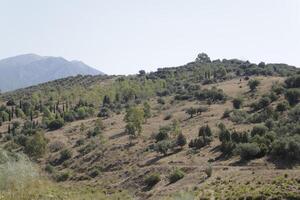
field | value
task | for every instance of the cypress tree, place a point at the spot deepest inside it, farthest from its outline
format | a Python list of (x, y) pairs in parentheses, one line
[(8, 129), (9, 116), (31, 116), (41, 106), (12, 112)]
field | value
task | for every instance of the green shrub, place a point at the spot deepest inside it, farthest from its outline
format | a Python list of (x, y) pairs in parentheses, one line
[(224, 134), (264, 102), (147, 110), (237, 102), (293, 82), (277, 88), (226, 113), (205, 131), (208, 170), (63, 176), (84, 112), (56, 124), (79, 142), (273, 96), (282, 106), (201, 109), (200, 142), (161, 101), (56, 146), (36, 145), (104, 112), (293, 96), (294, 114), (253, 83), (259, 130), (181, 140), (163, 133), (287, 148), (191, 111), (213, 95), (270, 123), (176, 175), (21, 140), (239, 116), (94, 173), (152, 180), (227, 147), (65, 154), (248, 151), (163, 146), (70, 116), (97, 130), (49, 168)]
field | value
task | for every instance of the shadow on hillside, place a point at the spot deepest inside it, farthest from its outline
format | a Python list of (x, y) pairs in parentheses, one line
[(240, 163), (118, 135), (216, 149), (157, 158), (222, 156), (282, 163)]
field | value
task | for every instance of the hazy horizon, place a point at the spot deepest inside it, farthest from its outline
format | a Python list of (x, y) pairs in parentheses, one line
[(119, 37)]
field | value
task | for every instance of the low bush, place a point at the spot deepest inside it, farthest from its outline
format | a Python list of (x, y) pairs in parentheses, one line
[(253, 83), (239, 116), (49, 168), (168, 117), (163, 133), (208, 171), (176, 175), (65, 155), (282, 106), (56, 146), (259, 130), (56, 124), (161, 101), (63, 176), (164, 146), (293, 81), (152, 179), (181, 140), (248, 151), (226, 114), (237, 103), (94, 173), (287, 148), (294, 114), (293, 96)]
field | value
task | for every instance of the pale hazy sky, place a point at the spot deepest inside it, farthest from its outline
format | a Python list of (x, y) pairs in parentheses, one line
[(123, 36)]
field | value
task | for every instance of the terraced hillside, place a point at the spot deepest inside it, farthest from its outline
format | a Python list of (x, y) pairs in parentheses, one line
[(224, 129)]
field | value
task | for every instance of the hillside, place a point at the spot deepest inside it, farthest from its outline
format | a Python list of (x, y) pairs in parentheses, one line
[(225, 129), (30, 69)]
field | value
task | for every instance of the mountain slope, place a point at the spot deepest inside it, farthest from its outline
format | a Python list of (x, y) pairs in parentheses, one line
[(30, 69)]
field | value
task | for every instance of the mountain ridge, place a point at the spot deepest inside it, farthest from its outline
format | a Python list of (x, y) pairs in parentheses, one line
[(32, 69)]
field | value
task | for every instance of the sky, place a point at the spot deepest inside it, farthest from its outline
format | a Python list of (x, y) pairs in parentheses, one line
[(122, 37)]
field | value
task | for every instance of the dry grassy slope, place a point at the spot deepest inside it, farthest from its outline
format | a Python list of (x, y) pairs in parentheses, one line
[(125, 166)]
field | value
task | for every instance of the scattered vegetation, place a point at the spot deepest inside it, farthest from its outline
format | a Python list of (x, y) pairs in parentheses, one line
[(86, 113)]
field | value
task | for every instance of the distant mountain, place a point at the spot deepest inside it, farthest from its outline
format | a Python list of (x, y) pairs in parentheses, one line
[(30, 69)]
